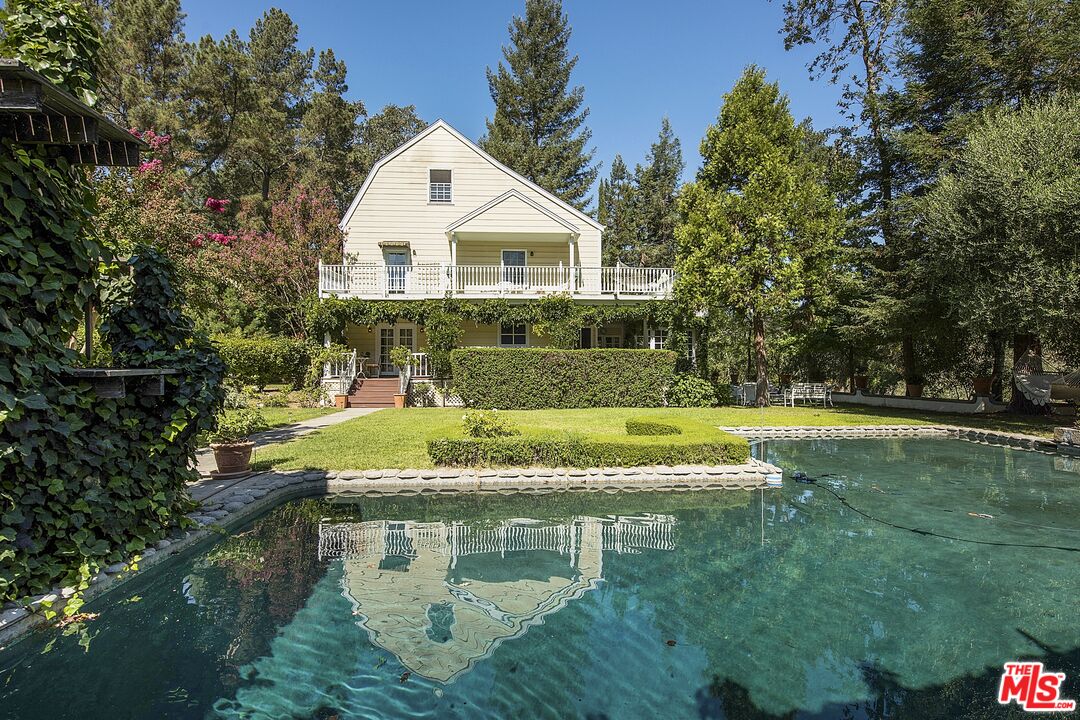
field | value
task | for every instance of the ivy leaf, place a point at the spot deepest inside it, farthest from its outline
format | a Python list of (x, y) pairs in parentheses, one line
[(16, 206), (37, 401)]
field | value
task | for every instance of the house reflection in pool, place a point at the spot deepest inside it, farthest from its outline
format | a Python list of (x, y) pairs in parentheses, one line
[(442, 596)]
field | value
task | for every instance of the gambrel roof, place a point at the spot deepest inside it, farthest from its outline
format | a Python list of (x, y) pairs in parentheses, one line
[(442, 124)]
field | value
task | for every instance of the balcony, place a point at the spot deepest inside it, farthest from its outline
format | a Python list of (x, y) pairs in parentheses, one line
[(484, 281)]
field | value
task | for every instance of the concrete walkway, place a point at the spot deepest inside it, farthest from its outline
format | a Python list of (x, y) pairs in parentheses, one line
[(205, 456)]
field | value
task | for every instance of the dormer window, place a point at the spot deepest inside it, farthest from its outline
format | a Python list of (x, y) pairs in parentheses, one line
[(440, 186)]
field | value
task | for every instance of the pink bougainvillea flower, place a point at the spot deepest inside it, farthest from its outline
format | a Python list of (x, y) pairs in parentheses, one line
[(217, 205)]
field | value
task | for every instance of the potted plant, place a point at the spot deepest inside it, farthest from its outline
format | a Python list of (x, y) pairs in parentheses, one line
[(230, 443), (860, 379), (914, 386), (401, 356), (982, 385)]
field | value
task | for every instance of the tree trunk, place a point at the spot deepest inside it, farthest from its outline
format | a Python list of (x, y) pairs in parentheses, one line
[(851, 369), (997, 374), (750, 348), (907, 353), (760, 361), (1023, 342)]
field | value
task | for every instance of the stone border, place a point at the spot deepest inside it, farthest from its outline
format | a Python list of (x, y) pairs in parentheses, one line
[(234, 503), (985, 437)]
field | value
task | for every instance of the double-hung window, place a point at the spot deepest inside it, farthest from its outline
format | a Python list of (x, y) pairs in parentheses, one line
[(440, 186), (512, 335)]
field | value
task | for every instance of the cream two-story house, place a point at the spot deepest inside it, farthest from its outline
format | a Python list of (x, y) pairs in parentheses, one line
[(438, 217)]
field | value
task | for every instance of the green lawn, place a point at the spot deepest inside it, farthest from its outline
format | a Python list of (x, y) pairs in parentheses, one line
[(278, 416), (395, 438)]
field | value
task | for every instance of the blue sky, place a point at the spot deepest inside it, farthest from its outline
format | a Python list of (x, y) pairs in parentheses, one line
[(638, 60)]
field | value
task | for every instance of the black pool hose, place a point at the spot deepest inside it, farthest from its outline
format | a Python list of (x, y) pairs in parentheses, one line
[(919, 531)]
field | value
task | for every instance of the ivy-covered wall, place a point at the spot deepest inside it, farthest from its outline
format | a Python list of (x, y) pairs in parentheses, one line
[(85, 481), (557, 317)]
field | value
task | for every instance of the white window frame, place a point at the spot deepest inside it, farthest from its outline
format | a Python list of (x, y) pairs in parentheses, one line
[(432, 201), (525, 335), (657, 338)]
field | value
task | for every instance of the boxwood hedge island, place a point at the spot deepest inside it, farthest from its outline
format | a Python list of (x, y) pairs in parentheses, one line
[(647, 441)]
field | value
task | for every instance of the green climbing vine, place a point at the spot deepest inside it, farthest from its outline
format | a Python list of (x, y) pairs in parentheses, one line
[(558, 316), (85, 481)]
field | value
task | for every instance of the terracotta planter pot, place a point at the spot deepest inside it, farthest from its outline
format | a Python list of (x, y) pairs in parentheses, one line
[(914, 390), (399, 400), (982, 386), (862, 382), (339, 401), (232, 457)]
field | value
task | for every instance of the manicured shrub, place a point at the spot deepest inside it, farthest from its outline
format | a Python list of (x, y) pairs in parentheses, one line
[(649, 426), (695, 443), (262, 361), (534, 378), (691, 391), (486, 424)]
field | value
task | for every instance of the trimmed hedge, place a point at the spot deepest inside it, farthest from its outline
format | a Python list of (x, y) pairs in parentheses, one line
[(651, 426), (536, 378), (262, 361), (694, 443)]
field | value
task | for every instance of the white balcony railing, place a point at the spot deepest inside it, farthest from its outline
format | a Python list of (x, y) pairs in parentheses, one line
[(389, 281)]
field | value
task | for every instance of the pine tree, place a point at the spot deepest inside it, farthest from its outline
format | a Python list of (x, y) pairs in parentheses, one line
[(539, 124), (615, 212), (760, 226), (383, 132), (657, 183), (142, 62), (267, 144), (639, 211), (328, 133)]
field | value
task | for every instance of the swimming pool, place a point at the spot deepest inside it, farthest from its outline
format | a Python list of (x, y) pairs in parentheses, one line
[(894, 585)]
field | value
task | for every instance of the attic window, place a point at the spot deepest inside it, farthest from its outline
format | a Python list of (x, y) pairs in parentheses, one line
[(440, 186)]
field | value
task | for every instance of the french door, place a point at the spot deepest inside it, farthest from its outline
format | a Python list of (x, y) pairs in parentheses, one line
[(397, 267), (389, 337), (513, 268)]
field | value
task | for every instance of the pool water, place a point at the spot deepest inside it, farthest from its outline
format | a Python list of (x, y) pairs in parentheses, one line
[(894, 586)]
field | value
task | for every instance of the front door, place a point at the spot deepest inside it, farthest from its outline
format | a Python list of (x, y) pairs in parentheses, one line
[(390, 337), (513, 267), (397, 266)]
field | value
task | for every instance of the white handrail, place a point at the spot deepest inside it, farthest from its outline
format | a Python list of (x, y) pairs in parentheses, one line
[(419, 365), (432, 281)]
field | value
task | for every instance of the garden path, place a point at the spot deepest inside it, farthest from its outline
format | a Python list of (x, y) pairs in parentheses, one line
[(204, 457)]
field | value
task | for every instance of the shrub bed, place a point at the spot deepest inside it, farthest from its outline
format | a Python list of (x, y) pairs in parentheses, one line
[(690, 443), (537, 378), (651, 426), (262, 361)]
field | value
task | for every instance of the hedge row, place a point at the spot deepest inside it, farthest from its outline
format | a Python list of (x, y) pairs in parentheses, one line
[(533, 378), (262, 361), (693, 443)]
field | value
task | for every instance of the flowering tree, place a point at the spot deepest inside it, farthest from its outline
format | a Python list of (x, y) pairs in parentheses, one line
[(276, 268), (155, 205)]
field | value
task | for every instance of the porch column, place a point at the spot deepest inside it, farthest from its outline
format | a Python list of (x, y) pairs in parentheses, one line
[(453, 263), (573, 271)]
